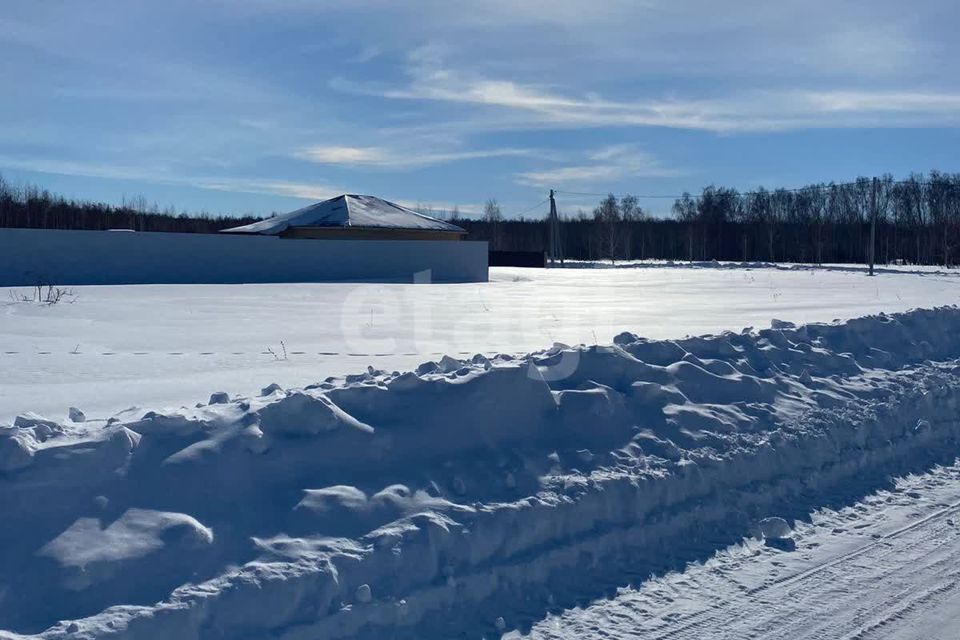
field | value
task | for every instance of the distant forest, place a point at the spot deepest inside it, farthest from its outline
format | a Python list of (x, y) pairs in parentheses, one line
[(33, 208), (917, 221)]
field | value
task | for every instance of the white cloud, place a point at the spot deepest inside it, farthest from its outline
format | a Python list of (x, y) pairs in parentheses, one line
[(564, 176), (542, 107), (160, 175), (947, 104), (344, 155), (606, 165), (533, 106), (304, 191), (84, 169), (396, 159)]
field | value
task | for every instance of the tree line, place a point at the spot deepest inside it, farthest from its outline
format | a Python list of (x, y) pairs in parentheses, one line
[(34, 208), (917, 221)]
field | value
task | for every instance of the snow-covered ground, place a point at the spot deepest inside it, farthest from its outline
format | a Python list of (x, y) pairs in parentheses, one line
[(170, 345), (729, 485), (469, 498)]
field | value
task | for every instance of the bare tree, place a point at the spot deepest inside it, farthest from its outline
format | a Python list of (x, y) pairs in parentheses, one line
[(685, 210), (631, 213), (609, 226), (493, 217)]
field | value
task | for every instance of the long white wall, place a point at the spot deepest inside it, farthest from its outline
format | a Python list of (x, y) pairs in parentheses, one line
[(34, 256)]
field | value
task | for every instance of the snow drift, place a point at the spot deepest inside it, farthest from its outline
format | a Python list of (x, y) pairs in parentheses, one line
[(456, 497)]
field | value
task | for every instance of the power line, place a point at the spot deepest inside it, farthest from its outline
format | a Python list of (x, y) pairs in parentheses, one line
[(529, 209)]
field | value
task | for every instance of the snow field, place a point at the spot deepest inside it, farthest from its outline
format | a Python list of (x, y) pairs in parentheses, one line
[(164, 346), (469, 495)]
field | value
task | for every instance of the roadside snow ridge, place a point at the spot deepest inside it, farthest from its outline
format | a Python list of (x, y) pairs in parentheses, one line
[(458, 498)]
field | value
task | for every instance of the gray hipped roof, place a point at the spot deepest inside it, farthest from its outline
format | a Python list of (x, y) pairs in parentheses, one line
[(349, 211)]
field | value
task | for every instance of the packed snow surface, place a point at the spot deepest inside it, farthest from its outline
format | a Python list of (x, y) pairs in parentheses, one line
[(169, 345), (467, 497)]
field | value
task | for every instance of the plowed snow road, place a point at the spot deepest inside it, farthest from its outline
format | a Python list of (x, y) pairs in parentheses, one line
[(888, 567)]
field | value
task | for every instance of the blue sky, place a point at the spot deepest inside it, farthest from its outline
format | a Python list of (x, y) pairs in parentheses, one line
[(253, 106)]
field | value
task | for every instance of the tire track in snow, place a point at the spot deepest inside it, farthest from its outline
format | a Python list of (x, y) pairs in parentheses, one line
[(812, 571), (793, 623), (901, 610), (828, 606), (866, 592)]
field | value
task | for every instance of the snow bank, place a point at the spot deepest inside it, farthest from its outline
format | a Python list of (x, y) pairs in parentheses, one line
[(451, 497)]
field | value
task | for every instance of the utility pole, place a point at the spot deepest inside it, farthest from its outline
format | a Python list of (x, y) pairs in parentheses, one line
[(873, 223), (551, 231), (553, 223)]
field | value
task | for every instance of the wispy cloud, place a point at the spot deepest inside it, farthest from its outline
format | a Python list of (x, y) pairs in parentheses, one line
[(76, 168), (538, 106), (946, 104), (304, 191), (311, 191), (606, 165), (367, 53), (396, 159), (161, 175), (442, 208)]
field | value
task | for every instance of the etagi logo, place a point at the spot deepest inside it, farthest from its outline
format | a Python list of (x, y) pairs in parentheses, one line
[(431, 319)]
